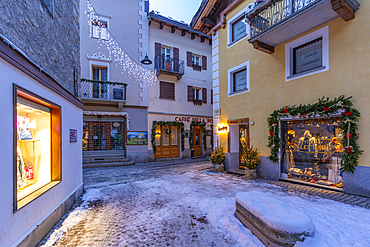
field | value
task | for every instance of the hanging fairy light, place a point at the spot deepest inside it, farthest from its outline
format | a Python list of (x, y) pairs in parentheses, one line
[(134, 69)]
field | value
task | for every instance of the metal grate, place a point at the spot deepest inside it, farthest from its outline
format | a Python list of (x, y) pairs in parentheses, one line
[(102, 90)]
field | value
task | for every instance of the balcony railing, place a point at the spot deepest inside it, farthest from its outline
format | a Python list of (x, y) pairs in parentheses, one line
[(102, 90), (170, 66), (276, 13)]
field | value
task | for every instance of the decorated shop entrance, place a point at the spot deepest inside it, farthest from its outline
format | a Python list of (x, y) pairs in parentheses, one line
[(166, 139), (197, 139)]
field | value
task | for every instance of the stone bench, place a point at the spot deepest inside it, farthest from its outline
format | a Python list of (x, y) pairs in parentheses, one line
[(274, 222)]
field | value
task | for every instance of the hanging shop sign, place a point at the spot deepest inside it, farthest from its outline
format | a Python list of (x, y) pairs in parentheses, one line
[(222, 128)]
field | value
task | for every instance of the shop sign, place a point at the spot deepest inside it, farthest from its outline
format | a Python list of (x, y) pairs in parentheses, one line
[(137, 138), (190, 119), (72, 135), (217, 111), (222, 128)]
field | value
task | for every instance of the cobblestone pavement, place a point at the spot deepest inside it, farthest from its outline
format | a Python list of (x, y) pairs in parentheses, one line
[(163, 204)]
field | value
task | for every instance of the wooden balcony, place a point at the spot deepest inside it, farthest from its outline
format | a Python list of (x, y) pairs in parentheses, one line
[(274, 22)]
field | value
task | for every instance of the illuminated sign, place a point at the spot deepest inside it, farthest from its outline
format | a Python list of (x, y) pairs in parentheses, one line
[(222, 128)]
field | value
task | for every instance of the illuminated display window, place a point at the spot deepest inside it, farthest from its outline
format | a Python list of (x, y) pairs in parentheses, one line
[(311, 151), (37, 151)]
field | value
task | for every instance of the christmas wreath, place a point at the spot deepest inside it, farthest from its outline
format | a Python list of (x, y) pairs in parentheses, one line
[(323, 108), (167, 125)]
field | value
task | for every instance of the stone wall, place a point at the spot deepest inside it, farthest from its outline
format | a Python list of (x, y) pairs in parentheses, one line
[(50, 38)]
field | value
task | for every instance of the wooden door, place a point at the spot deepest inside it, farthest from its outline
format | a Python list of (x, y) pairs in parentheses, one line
[(197, 141), (167, 142)]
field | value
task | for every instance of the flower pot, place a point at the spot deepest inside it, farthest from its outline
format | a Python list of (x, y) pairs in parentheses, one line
[(250, 173), (219, 167)]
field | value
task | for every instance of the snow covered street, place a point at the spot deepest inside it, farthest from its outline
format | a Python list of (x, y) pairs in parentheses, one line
[(156, 204)]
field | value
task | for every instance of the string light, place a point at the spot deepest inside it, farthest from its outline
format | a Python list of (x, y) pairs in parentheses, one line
[(133, 69)]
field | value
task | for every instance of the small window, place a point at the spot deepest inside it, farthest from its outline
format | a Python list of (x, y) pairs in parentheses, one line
[(99, 29), (307, 57), (196, 60), (197, 93), (240, 80), (238, 29), (166, 90), (100, 90)]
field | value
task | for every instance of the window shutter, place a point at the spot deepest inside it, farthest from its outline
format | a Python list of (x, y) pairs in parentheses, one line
[(204, 62), (157, 51), (167, 90), (189, 58), (176, 63), (211, 96), (204, 95), (190, 93)]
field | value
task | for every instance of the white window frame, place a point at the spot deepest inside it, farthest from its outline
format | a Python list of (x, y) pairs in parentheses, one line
[(230, 78), (321, 33), (200, 93), (99, 18), (196, 56), (230, 22)]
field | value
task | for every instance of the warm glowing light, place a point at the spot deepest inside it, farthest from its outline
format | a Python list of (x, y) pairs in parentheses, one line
[(38, 112), (28, 109), (222, 128)]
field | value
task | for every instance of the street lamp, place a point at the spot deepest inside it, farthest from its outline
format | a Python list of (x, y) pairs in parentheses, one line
[(146, 60)]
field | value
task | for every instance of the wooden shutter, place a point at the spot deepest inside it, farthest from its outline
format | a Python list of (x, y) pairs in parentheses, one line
[(211, 96), (190, 93), (157, 51), (204, 62), (176, 56), (167, 90), (204, 95), (189, 59)]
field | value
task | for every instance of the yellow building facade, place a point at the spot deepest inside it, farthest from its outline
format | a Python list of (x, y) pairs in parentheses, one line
[(309, 51)]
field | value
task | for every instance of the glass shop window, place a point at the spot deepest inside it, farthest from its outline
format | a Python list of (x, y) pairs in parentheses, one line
[(311, 151), (37, 149)]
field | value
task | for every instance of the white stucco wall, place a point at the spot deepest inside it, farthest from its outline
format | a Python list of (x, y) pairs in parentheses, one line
[(202, 79), (16, 226)]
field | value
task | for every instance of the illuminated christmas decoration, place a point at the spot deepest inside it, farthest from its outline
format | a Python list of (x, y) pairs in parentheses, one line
[(134, 69)]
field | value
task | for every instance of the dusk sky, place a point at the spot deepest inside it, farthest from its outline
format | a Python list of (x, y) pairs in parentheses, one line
[(177, 9)]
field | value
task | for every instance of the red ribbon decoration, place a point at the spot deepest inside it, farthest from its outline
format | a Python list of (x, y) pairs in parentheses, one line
[(349, 150), (271, 123), (304, 114), (326, 109), (347, 113), (271, 133), (350, 136), (285, 110)]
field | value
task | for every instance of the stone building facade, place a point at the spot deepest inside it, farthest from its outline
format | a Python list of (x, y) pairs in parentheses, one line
[(48, 31)]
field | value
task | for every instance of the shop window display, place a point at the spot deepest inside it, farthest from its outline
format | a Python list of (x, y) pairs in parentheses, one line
[(33, 154), (311, 151)]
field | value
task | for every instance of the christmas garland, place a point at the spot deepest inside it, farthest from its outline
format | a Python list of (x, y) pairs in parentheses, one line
[(105, 82), (203, 125), (167, 124), (323, 108)]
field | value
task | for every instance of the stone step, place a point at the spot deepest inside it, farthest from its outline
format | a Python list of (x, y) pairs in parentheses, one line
[(108, 160), (103, 157), (128, 163)]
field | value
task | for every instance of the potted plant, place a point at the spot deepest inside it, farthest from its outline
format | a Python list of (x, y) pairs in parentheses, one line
[(250, 159), (217, 158)]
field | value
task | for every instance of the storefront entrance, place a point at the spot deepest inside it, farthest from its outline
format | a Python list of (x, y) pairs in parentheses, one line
[(197, 141), (104, 135), (243, 141), (167, 141)]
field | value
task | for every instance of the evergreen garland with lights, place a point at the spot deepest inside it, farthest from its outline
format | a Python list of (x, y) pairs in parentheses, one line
[(323, 108), (203, 125)]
